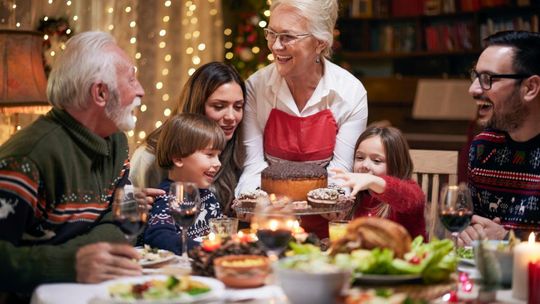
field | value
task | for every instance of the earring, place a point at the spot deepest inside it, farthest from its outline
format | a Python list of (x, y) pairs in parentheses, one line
[(317, 60)]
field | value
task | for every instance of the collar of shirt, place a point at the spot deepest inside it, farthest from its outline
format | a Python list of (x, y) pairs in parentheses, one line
[(323, 92)]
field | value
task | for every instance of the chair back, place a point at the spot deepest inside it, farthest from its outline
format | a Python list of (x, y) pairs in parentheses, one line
[(432, 169)]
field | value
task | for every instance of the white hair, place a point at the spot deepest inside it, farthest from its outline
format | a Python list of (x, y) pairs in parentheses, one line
[(85, 61), (321, 16)]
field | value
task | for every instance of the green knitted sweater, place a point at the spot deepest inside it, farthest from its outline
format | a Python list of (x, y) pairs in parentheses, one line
[(56, 178)]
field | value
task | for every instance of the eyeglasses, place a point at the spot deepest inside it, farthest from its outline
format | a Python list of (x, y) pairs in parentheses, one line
[(486, 79), (284, 38)]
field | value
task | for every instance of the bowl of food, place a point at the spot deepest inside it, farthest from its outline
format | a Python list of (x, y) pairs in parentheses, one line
[(310, 280), (242, 271), (503, 257)]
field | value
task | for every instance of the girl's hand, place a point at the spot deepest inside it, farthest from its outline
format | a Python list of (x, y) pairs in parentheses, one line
[(333, 216), (359, 181)]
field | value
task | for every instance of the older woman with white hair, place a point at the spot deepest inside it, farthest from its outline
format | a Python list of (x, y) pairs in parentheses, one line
[(302, 107)]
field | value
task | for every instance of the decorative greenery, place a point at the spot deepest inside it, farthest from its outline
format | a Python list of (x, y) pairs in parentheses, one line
[(58, 32), (247, 35)]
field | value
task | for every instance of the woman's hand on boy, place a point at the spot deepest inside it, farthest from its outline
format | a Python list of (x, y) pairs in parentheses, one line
[(148, 194)]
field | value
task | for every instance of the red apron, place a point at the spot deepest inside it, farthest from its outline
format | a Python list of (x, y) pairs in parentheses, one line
[(302, 139)]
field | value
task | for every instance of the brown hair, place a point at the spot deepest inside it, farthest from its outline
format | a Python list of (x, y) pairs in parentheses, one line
[(201, 85), (398, 159), (185, 134)]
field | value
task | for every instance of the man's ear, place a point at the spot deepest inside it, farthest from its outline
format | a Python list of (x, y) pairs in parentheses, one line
[(532, 88), (177, 161), (100, 93)]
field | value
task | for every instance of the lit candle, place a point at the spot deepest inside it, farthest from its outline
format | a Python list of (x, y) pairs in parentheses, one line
[(524, 253), (211, 243), (534, 282)]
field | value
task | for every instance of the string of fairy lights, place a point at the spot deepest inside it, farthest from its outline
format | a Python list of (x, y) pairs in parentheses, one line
[(120, 19)]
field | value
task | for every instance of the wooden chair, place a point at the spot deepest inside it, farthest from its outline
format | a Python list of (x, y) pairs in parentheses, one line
[(432, 169)]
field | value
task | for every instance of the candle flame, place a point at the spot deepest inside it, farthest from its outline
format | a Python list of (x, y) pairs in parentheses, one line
[(211, 236), (531, 238), (240, 234), (273, 198), (273, 225)]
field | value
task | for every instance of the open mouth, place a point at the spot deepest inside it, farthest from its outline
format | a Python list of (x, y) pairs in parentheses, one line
[(484, 105), (283, 59), (210, 175), (228, 129)]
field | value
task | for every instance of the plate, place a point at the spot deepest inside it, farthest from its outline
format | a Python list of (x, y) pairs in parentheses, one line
[(386, 279), (151, 259), (217, 290), (467, 262)]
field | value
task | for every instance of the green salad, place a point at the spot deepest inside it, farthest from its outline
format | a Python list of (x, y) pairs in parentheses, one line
[(465, 253), (434, 261), (159, 289)]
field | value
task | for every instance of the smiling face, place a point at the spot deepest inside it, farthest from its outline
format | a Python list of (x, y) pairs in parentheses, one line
[(370, 157), (298, 58), (199, 167), (226, 107), (499, 107)]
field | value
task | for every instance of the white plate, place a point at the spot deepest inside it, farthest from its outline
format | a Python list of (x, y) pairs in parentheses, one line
[(386, 279), (217, 290), (150, 260), (467, 262)]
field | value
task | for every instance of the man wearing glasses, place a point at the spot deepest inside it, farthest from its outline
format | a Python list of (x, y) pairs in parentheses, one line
[(504, 160)]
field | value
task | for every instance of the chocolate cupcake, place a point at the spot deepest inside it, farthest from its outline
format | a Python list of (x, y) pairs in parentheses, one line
[(323, 197)]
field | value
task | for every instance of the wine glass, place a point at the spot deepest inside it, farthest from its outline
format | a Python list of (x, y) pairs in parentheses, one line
[(130, 211), (184, 206), (455, 209), (274, 230)]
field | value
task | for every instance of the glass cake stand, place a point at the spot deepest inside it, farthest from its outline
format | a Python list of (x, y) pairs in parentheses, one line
[(344, 204)]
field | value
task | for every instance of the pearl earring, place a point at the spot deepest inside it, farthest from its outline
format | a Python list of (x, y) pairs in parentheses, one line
[(318, 60)]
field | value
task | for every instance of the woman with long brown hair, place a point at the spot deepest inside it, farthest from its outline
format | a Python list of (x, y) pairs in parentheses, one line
[(217, 91)]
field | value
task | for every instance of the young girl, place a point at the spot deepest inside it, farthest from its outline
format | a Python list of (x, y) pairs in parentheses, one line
[(382, 179), (188, 148), (217, 91)]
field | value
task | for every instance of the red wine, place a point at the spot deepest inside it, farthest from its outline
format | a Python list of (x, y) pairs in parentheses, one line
[(184, 218), (274, 239), (130, 226), (456, 220)]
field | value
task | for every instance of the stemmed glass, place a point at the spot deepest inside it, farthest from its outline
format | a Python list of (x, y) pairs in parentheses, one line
[(130, 211), (184, 206), (274, 230), (455, 209)]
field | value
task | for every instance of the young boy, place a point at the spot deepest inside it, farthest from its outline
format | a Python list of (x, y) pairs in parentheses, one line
[(188, 147)]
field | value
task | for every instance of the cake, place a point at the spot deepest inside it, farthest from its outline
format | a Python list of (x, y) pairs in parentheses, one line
[(323, 197), (252, 198), (293, 179)]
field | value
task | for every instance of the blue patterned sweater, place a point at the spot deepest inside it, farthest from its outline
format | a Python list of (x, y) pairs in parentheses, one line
[(162, 231)]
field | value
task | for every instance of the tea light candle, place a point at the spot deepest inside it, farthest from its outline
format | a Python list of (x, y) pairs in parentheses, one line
[(211, 243), (524, 253)]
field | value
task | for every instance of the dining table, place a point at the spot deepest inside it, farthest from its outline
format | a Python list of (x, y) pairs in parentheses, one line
[(271, 293)]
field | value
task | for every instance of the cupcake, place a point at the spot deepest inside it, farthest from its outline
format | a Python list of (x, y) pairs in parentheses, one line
[(323, 197), (253, 198)]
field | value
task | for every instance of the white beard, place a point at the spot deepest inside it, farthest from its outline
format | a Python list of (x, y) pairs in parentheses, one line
[(123, 117)]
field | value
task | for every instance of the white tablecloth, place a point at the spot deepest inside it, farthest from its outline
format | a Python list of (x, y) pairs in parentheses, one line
[(88, 293)]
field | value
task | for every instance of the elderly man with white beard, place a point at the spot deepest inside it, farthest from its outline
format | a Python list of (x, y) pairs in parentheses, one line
[(57, 175)]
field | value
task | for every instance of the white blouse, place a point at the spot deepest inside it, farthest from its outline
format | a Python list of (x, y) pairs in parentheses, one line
[(346, 97)]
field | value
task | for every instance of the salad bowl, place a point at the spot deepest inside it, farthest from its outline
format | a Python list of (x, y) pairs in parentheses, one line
[(310, 281)]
